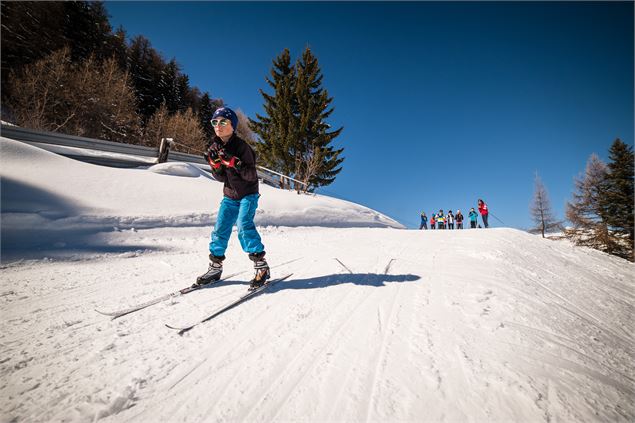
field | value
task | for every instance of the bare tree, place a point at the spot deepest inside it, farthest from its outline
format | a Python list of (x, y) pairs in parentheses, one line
[(541, 211), (93, 99), (37, 100), (103, 102), (584, 210), (244, 130), (183, 127)]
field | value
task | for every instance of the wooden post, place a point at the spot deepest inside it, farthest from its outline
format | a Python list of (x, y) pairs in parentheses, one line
[(164, 149)]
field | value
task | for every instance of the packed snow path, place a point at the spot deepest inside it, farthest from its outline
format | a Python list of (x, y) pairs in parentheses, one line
[(473, 325), (375, 324)]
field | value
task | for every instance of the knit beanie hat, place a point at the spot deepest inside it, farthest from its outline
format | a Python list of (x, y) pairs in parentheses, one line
[(227, 113)]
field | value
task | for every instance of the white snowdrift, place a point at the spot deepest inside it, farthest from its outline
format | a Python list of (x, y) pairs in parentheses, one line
[(376, 324), (49, 200)]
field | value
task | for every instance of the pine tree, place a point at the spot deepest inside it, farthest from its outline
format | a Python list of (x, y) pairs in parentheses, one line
[(294, 134), (277, 128), (316, 161), (168, 86), (146, 67), (205, 112), (88, 30), (541, 211), (616, 203)]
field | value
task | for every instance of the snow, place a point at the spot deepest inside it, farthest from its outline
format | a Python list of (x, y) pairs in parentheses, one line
[(377, 323)]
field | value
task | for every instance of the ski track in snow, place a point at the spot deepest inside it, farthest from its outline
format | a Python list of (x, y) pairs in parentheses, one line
[(375, 324)]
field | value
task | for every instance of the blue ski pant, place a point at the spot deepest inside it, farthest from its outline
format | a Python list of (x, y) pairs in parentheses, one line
[(242, 213)]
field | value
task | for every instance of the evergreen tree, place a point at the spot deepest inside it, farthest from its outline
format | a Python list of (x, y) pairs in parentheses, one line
[(187, 98), (316, 161), (276, 129), (541, 211), (168, 86), (87, 29), (294, 134), (30, 31), (205, 112), (146, 69), (616, 203)]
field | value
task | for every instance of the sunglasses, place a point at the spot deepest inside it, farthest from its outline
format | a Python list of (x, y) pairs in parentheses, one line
[(221, 122)]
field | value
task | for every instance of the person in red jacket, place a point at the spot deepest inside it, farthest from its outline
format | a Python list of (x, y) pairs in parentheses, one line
[(482, 209)]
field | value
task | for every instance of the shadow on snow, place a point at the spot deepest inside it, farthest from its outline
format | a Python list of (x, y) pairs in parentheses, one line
[(38, 232), (362, 279)]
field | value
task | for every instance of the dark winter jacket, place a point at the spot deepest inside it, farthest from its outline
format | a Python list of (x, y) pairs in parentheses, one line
[(237, 183), (459, 217)]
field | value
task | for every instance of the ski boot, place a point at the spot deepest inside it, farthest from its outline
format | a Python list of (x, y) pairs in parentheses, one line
[(262, 270), (213, 272)]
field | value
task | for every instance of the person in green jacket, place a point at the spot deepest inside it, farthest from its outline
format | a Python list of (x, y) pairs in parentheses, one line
[(473, 216)]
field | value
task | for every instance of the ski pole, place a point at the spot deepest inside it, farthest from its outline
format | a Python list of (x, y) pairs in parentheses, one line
[(497, 218)]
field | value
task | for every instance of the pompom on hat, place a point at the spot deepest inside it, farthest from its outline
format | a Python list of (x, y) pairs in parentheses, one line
[(227, 113)]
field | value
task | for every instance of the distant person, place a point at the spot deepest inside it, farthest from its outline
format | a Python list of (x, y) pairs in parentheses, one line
[(424, 221), (473, 216), (433, 221), (450, 219), (459, 219), (482, 209), (233, 162), (441, 219)]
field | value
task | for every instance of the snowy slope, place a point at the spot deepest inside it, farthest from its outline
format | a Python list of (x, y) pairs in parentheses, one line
[(376, 324), (50, 201)]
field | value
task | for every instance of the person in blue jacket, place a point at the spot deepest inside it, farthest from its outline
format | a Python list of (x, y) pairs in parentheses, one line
[(424, 221), (473, 216)]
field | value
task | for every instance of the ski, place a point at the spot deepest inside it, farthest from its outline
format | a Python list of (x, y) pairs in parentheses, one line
[(119, 313), (250, 294)]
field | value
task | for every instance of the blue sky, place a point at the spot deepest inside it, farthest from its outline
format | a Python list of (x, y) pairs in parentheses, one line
[(442, 103)]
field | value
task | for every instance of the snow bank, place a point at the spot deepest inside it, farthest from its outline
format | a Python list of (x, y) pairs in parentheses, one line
[(177, 169), (51, 202)]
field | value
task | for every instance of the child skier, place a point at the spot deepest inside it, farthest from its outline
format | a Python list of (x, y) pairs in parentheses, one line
[(233, 162), (433, 221), (473, 217)]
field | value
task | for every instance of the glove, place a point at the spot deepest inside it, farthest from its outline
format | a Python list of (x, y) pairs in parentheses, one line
[(233, 162), (229, 160), (212, 157)]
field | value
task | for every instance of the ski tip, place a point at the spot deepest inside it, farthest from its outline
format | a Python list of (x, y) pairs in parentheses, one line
[(181, 330)]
